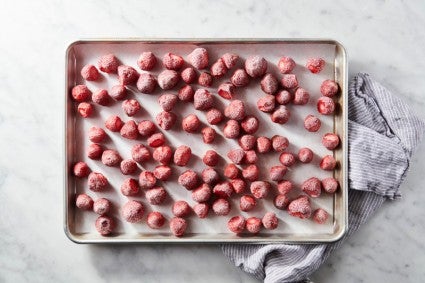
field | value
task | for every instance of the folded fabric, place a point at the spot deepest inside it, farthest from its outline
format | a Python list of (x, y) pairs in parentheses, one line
[(382, 135)]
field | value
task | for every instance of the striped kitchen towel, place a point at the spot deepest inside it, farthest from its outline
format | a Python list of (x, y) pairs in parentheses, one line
[(382, 135)]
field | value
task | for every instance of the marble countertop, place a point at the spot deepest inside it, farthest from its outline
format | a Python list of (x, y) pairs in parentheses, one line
[(383, 38)]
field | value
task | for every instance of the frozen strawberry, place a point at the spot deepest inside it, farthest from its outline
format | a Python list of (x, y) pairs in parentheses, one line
[(315, 65), (203, 99), (301, 96), (162, 172), (97, 182), (146, 61), (247, 142), (325, 105), (260, 189), (167, 101), (223, 190), (147, 180), (235, 110), (181, 208), (330, 141), (188, 75), (210, 176), (130, 187), (305, 155), (240, 78), (133, 211), (289, 81), (312, 123), (236, 224), (312, 187), (198, 58), (156, 140), (229, 60), (330, 185), (251, 173), (269, 84), (80, 93), (146, 83), (211, 158), (188, 179), (191, 123), (96, 134), (281, 115), (231, 171), (205, 79), (328, 163), (172, 61), (140, 153), (251, 157), (231, 129), (287, 159), (108, 63), (266, 103), (156, 195), (81, 169), (270, 221), (131, 107), (201, 210), (201, 193), (279, 143), (238, 185), (129, 130), (89, 73), (247, 203), (283, 97), (256, 66), (186, 93), (226, 90), (111, 157), (128, 166), (284, 187), (163, 154), (178, 226), (105, 225), (250, 124), (114, 123), (277, 172), (214, 116), (253, 225), (84, 202), (127, 75), (236, 155), (102, 206), (101, 97), (182, 155), (218, 69), (286, 64), (118, 92), (208, 135), (166, 120), (94, 151), (146, 128), (320, 216), (168, 79), (155, 220), (281, 201), (300, 207), (329, 88), (85, 109), (264, 144), (221, 207)]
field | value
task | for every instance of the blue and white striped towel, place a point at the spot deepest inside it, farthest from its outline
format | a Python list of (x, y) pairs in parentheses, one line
[(382, 135)]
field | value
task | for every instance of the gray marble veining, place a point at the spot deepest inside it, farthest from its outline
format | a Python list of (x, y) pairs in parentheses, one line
[(384, 38)]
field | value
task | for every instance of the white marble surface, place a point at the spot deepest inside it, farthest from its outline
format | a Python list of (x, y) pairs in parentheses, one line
[(384, 38)]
